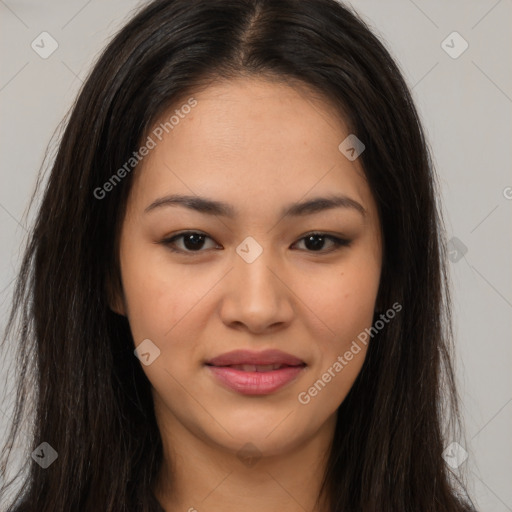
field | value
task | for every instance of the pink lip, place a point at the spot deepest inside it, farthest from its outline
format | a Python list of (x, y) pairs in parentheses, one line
[(253, 382), (249, 357)]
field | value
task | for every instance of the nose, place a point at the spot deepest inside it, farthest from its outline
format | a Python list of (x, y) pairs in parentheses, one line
[(256, 296)]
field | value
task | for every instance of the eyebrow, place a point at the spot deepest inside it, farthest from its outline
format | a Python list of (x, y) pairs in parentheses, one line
[(211, 207)]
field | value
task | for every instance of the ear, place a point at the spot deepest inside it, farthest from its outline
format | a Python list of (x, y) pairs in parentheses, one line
[(115, 297)]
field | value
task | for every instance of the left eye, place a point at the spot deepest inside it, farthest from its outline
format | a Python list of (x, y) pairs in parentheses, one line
[(315, 240), (193, 241)]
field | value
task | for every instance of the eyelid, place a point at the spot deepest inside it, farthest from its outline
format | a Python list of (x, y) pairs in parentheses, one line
[(338, 241), (169, 240)]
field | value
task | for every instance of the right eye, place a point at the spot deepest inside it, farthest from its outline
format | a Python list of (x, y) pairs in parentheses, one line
[(193, 241)]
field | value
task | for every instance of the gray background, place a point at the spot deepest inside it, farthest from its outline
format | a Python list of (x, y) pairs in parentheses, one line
[(465, 104)]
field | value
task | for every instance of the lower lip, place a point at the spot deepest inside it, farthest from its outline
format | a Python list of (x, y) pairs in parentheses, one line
[(255, 383)]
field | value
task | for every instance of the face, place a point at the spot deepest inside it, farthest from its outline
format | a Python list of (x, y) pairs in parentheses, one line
[(263, 270)]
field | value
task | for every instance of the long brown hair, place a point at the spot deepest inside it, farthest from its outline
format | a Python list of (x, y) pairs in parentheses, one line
[(90, 399)]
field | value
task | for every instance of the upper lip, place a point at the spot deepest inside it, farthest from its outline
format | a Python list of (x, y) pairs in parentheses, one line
[(257, 358)]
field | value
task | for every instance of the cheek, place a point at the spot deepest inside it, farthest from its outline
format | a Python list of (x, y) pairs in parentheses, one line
[(159, 303), (345, 307), (343, 300), (343, 303), (165, 307), (155, 298)]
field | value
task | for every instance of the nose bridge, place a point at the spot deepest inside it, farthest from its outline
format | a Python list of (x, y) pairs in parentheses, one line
[(252, 268), (255, 296)]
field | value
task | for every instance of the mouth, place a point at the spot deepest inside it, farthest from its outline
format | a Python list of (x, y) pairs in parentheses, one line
[(255, 373), (256, 367)]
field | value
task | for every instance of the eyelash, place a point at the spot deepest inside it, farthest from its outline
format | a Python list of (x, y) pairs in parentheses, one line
[(338, 242)]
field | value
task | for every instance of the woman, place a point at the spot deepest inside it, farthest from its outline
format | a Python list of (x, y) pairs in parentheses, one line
[(234, 295)]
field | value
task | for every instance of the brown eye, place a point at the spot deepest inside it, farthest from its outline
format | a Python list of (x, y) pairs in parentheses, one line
[(192, 242), (315, 242)]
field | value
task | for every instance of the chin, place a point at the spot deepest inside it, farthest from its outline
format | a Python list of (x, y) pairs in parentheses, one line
[(273, 435)]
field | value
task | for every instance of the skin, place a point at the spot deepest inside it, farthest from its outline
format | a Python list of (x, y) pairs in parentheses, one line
[(257, 145)]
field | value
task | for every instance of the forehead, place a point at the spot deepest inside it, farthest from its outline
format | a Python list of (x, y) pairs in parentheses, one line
[(246, 111), (251, 140)]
